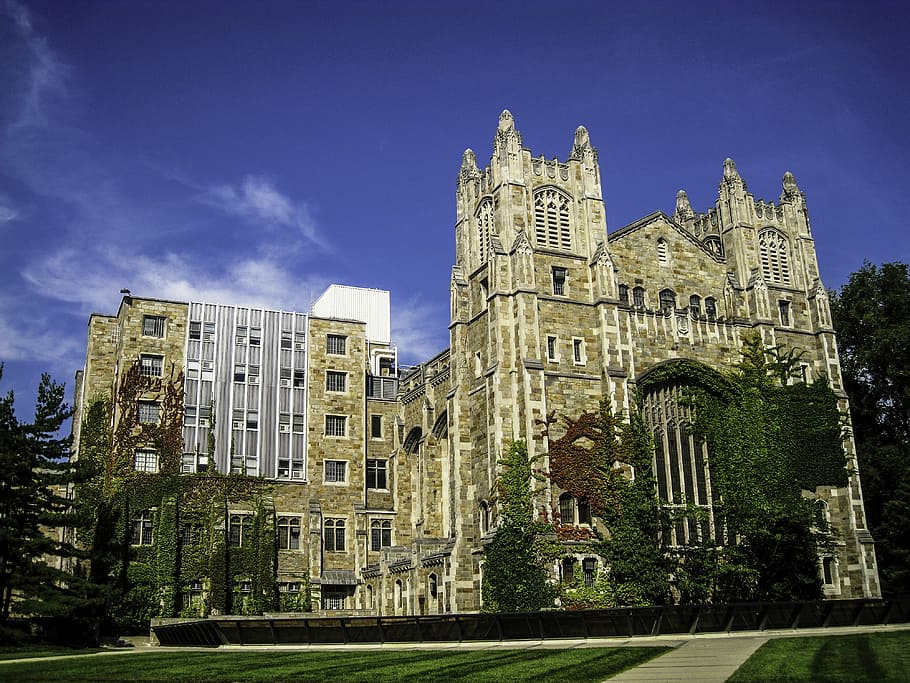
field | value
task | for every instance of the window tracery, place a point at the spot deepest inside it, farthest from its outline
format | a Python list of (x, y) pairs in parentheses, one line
[(774, 253), (551, 219)]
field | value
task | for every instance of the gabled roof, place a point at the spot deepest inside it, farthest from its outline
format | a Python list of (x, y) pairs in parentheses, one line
[(660, 216)]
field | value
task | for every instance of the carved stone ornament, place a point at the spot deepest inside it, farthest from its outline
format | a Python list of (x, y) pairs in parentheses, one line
[(601, 257), (521, 245), (469, 164), (582, 148), (684, 210)]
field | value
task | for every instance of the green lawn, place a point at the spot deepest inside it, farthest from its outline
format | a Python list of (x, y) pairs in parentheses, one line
[(28, 651), (878, 657), (577, 666)]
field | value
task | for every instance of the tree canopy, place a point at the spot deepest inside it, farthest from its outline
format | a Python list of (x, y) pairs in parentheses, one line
[(871, 314)]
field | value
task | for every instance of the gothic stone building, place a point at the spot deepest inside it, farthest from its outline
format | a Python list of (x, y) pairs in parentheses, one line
[(549, 312)]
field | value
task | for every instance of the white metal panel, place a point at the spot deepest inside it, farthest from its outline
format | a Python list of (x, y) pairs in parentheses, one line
[(370, 306)]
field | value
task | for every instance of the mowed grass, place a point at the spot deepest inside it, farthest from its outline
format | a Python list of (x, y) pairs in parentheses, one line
[(879, 657), (350, 666), (27, 651)]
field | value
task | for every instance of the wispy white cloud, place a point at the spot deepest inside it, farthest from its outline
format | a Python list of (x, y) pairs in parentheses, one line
[(257, 200), (92, 280), (418, 330), (7, 212), (45, 76), (27, 335)]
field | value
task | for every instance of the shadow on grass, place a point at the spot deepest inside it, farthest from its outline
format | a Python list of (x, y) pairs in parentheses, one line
[(581, 665)]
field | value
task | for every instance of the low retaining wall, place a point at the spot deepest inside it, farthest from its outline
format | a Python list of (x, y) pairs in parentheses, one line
[(609, 623)]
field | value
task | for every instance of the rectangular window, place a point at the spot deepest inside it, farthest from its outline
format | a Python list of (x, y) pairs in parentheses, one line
[(376, 426), (153, 325), (208, 332), (335, 381), (149, 412), (559, 280), (298, 379), (192, 534), (252, 420), (288, 533), (335, 425), (240, 372), (333, 536), (784, 307), (196, 331), (189, 416), (336, 471), (145, 460), (377, 474), (336, 345), (142, 529), (255, 336), (298, 424), (578, 351), (380, 534), (551, 348), (287, 340), (150, 365)]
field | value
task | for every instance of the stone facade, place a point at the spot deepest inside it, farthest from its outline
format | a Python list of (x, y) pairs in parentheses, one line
[(549, 312)]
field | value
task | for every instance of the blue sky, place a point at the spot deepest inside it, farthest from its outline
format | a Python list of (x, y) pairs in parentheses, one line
[(254, 152)]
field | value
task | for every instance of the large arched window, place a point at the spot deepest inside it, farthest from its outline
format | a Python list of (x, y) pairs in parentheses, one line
[(551, 219), (680, 467), (484, 228), (775, 256)]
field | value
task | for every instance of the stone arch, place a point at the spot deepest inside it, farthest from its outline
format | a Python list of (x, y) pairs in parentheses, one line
[(412, 440)]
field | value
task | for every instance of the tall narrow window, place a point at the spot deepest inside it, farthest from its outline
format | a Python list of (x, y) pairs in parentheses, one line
[(711, 307), (567, 508), (662, 254), (551, 348), (638, 297), (588, 565), (784, 307), (667, 301), (380, 534), (240, 529), (484, 517), (196, 331), (484, 228), (551, 219), (584, 511), (695, 305), (142, 529), (375, 426), (288, 533), (578, 351), (624, 294), (775, 256), (333, 536), (377, 471), (559, 281)]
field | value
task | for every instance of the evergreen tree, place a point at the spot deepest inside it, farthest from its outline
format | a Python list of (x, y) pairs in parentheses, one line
[(35, 475)]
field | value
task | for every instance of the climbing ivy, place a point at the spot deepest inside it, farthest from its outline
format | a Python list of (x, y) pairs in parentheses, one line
[(771, 438), (515, 577), (189, 514)]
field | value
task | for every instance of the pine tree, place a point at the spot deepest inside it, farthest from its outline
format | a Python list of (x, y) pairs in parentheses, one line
[(35, 512)]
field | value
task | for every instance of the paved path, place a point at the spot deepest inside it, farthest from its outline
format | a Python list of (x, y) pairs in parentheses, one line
[(708, 660)]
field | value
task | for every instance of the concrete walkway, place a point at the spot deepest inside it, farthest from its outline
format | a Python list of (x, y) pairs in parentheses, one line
[(709, 660)]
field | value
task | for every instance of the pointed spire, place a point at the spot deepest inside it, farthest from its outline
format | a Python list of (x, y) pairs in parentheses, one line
[(730, 172), (468, 165), (791, 189), (581, 147), (506, 121), (506, 132), (683, 207)]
